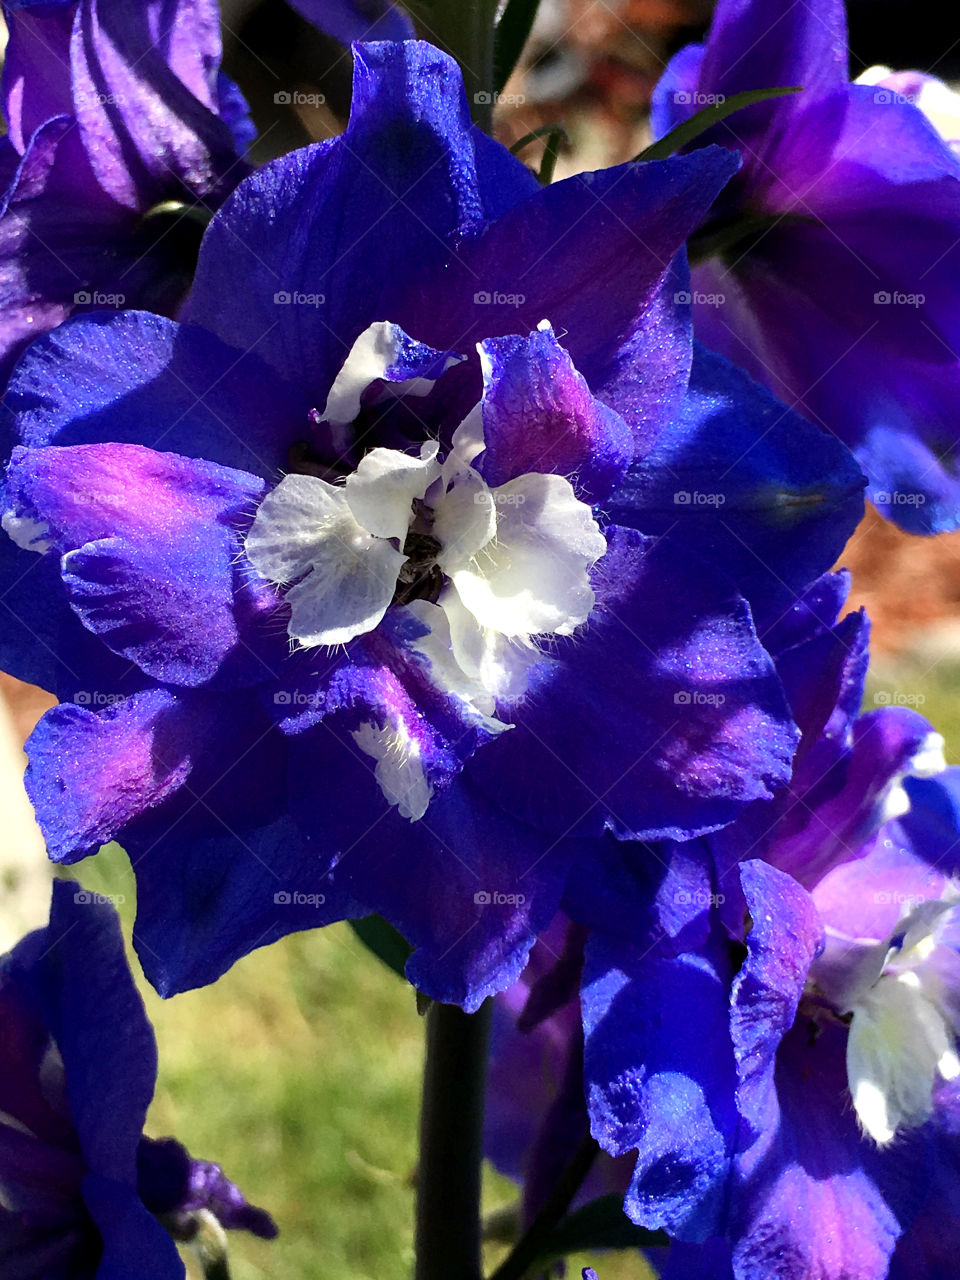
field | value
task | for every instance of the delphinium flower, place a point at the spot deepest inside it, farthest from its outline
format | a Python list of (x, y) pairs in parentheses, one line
[(834, 252), (83, 1194), (356, 589), (799, 1120), (123, 136)]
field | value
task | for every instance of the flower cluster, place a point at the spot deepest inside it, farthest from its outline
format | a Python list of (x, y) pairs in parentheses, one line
[(403, 537)]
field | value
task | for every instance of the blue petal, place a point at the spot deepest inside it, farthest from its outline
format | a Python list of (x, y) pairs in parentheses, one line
[(660, 720), (660, 1083), (753, 487)]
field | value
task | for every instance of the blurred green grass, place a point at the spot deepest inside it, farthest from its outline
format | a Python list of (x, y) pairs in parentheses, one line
[(299, 1072)]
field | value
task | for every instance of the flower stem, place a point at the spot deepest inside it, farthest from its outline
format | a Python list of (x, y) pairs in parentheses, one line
[(528, 1248), (451, 1144)]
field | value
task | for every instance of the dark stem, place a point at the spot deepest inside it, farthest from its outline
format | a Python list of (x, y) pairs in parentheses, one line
[(451, 1144), (530, 1245)]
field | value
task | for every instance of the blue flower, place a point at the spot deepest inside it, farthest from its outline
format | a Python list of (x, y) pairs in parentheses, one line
[(417, 560), (815, 1033), (81, 1189), (121, 132), (834, 252)]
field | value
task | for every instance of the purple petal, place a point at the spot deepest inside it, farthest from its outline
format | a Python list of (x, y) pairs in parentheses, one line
[(150, 542), (134, 1242), (144, 88), (90, 775), (169, 1180), (35, 84), (661, 719), (659, 1083), (539, 415), (755, 489), (358, 230), (137, 378)]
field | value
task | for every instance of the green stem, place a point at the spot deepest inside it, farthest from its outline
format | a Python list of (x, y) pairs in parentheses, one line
[(448, 1241), (465, 29), (530, 1245)]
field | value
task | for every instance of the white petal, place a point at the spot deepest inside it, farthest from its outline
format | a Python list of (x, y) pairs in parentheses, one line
[(465, 519), (399, 770), (382, 490), (29, 535), (291, 525), (370, 357), (349, 587), (467, 441), (532, 579), (446, 673), (929, 760), (897, 1041), (502, 666)]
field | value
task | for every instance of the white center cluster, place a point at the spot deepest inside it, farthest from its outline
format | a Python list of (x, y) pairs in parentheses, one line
[(902, 1036), (512, 563)]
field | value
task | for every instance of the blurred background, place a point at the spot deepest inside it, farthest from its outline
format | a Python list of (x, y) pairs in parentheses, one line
[(299, 1071)]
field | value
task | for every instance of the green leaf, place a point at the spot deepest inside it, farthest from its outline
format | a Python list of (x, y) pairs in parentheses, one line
[(513, 31), (384, 941), (601, 1224), (685, 133)]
